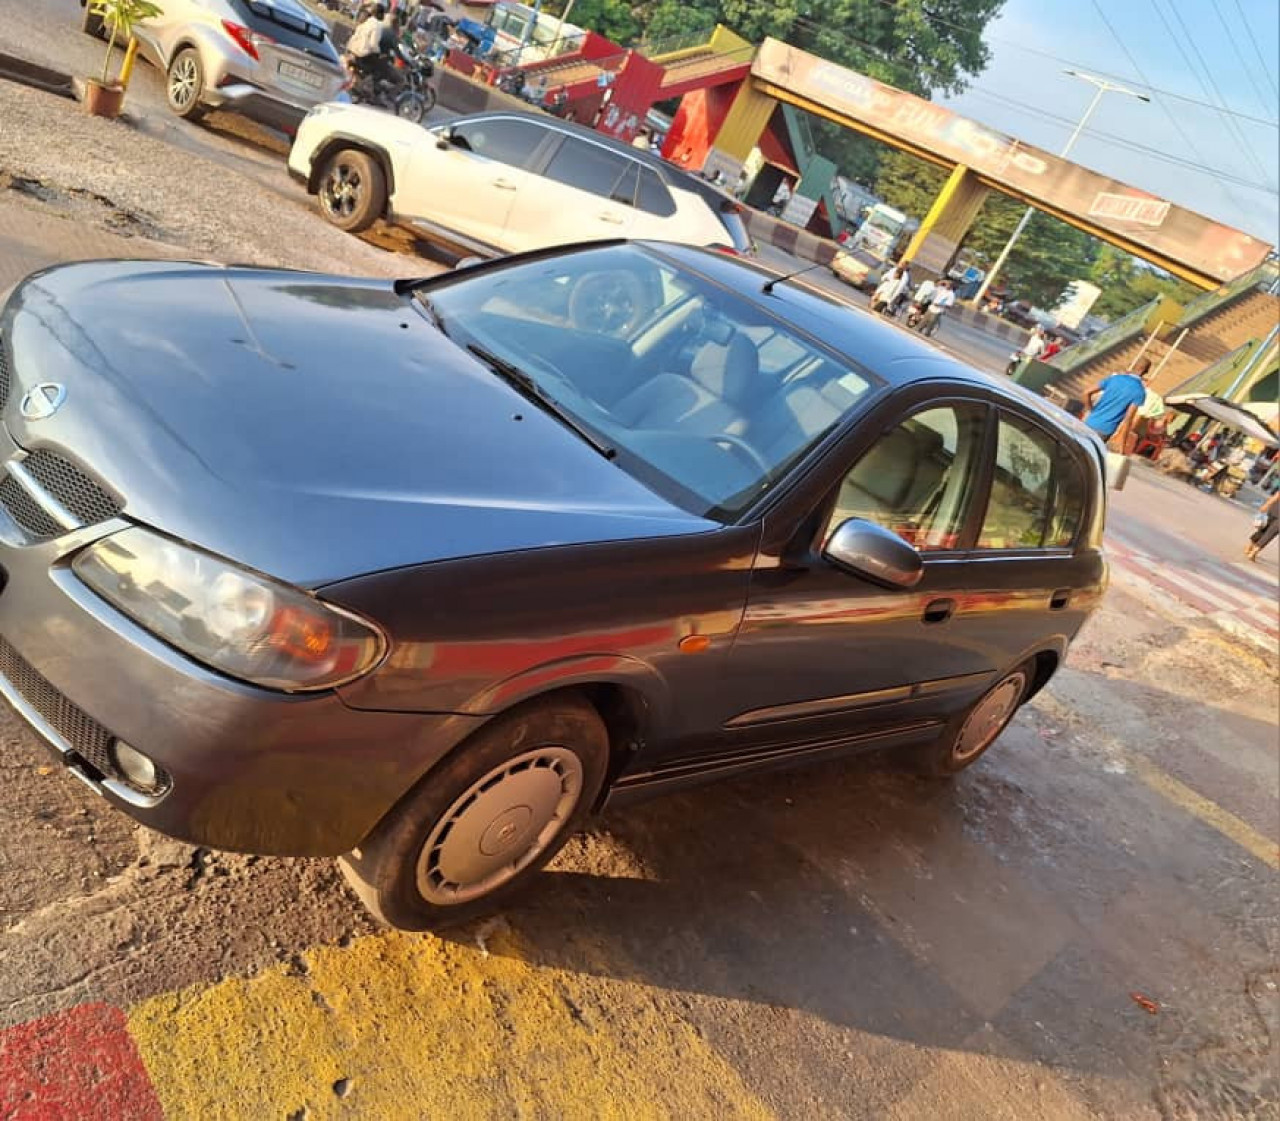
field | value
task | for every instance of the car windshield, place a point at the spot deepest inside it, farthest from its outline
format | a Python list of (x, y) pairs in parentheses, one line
[(698, 392)]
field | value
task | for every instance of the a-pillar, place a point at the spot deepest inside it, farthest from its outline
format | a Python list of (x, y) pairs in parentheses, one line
[(746, 120), (947, 222)]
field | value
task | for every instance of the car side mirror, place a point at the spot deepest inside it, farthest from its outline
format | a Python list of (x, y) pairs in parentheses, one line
[(875, 553)]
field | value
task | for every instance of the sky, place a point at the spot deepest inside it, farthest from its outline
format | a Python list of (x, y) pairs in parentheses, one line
[(1151, 47)]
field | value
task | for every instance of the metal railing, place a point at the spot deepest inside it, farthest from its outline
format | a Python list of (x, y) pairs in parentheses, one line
[(669, 44), (1264, 276), (1223, 369)]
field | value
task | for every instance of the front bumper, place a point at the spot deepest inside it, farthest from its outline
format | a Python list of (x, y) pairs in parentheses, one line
[(251, 770)]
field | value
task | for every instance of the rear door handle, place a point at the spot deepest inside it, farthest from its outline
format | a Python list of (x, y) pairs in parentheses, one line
[(939, 610), (504, 184), (612, 219), (1059, 599)]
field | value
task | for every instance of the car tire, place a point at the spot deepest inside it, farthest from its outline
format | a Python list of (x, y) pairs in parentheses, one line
[(968, 735), (352, 190), (92, 24), (482, 824), (184, 84)]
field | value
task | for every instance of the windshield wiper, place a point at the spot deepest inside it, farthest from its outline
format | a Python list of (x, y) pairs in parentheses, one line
[(519, 380)]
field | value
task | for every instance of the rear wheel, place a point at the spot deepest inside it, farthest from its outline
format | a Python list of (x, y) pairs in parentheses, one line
[(353, 190), (184, 85), (480, 826), (969, 735), (411, 106)]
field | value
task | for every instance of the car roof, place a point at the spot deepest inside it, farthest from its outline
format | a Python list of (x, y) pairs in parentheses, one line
[(897, 356), (673, 175)]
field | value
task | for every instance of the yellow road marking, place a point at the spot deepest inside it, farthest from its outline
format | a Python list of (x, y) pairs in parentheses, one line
[(427, 1028), (1212, 814)]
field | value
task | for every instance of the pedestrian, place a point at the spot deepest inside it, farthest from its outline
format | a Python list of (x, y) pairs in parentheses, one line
[(1115, 400), (1052, 346), (781, 197), (943, 298), (904, 290), (740, 188), (642, 139), (1266, 527), (891, 286)]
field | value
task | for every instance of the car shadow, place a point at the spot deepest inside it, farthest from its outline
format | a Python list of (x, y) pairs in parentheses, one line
[(1042, 886)]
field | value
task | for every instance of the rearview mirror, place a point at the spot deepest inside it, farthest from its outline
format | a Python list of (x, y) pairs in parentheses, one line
[(875, 553)]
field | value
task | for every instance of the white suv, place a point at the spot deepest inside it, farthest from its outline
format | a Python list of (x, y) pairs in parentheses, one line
[(503, 182)]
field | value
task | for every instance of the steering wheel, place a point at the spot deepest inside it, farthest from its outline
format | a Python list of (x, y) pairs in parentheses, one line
[(737, 444), (609, 303)]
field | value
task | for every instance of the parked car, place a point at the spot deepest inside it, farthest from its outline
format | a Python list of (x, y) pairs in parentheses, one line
[(504, 182), (425, 572), (268, 59)]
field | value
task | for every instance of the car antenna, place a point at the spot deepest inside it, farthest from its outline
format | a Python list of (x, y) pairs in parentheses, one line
[(769, 285)]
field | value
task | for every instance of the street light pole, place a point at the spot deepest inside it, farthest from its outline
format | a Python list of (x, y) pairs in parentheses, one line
[(1102, 87)]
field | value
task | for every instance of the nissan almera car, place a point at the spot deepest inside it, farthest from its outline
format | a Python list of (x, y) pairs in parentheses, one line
[(421, 574)]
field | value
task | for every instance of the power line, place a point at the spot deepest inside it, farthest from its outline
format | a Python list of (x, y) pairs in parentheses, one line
[(1253, 42), (1213, 85), (1177, 124), (1122, 142), (1101, 73), (1244, 66)]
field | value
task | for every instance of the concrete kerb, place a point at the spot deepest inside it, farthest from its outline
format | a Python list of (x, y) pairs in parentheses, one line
[(26, 73)]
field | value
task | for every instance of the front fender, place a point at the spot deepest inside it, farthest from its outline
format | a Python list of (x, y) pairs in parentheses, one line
[(578, 670)]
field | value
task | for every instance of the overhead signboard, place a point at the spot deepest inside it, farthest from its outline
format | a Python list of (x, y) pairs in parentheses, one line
[(1172, 232)]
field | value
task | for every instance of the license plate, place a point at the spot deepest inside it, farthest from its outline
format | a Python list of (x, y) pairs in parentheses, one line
[(300, 74)]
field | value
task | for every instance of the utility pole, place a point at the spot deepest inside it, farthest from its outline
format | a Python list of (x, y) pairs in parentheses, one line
[(1102, 87)]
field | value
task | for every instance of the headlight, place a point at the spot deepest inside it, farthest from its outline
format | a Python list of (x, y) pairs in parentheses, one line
[(234, 620)]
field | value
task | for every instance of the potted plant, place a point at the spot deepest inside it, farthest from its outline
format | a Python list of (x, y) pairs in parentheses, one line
[(119, 17)]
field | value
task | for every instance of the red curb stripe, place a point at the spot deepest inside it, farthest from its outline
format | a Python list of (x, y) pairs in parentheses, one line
[(75, 1065)]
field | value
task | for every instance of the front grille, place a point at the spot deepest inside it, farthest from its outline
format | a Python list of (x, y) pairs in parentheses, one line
[(22, 508), (86, 500), (4, 373), (86, 737)]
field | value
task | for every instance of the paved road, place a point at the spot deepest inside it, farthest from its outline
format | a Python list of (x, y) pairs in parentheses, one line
[(1081, 926), (956, 338)]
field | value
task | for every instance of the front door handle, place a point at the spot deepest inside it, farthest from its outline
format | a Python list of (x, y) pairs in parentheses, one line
[(939, 610), (1059, 599), (612, 219), (504, 184)]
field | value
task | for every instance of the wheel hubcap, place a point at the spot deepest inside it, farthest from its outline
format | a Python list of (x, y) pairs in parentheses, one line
[(988, 719), (182, 83), (341, 192), (499, 826)]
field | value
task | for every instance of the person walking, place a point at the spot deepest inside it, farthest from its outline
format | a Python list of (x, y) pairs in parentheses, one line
[(943, 298), (1032, 348), (1266, 527), (1115, 401), (891, 286)]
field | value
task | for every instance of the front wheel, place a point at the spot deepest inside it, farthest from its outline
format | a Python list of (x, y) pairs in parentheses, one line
[(411, 106), (480, 826), (969, 735), (353, 190), (184, 85)]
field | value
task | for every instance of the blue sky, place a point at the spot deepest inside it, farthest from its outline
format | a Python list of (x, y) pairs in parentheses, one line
[(1020, 87)]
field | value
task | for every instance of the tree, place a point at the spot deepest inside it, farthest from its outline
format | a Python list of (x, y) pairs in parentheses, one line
[(614, 19), (1127, 284)]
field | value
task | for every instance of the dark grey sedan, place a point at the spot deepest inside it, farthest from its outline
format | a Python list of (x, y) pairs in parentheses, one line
[(422, 574)]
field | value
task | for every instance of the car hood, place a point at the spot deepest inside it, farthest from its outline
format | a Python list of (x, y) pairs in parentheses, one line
[(311, 427)]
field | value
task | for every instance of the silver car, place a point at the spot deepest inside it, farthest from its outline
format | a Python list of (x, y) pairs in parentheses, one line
[(269, 59)]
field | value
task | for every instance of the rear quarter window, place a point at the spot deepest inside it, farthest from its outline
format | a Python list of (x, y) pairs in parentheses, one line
[(654, 198), (287, 26)]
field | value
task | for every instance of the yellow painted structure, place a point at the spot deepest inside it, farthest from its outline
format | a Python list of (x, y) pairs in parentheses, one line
[(948, 220)]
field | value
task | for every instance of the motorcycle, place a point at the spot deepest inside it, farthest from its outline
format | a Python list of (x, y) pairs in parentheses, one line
[(408, 93), (915, 313)]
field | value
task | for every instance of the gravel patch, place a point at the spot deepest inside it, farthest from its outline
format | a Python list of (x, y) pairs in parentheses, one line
[(55, 149)]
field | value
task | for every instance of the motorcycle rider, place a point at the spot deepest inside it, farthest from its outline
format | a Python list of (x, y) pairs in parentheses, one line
[(372, 45)]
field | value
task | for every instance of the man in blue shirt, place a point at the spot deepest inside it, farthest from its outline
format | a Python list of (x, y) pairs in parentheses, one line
[(1115, 401)]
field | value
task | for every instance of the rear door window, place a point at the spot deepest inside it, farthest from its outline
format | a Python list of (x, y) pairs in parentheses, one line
[(589, 167), (1037, 493), (654, 197)]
